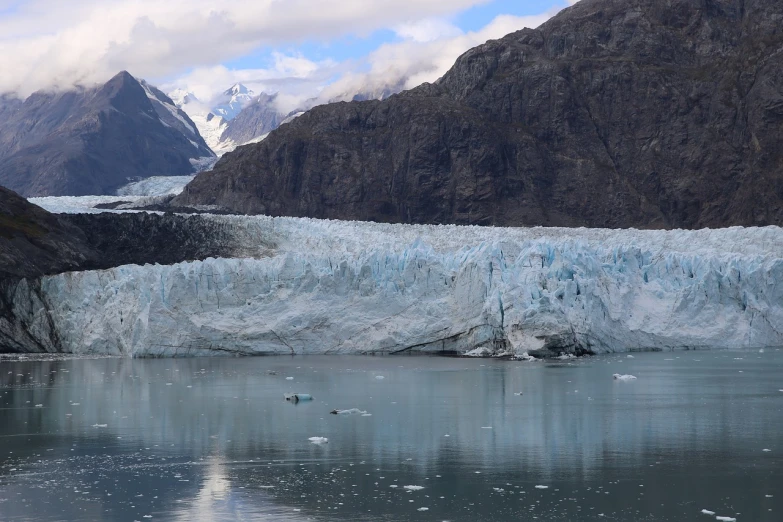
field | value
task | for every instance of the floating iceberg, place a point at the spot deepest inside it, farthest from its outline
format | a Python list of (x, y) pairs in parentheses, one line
[(318, 440), (314, 286)]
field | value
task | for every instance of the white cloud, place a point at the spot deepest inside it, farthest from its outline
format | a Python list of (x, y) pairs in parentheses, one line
[(427, 30), (405, 64), (197, 39), (56, 44)]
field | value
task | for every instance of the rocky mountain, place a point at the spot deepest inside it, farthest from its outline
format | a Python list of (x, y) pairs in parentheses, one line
[(238, 116), (210, 126), (232, 101), (262, 115), (258, 118), (616, 113), (93, 141)]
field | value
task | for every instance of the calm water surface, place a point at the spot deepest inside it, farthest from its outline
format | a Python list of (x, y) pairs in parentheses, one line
[(214, 439)]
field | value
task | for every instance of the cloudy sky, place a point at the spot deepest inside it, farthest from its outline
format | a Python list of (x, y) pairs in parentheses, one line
[(299, 48)]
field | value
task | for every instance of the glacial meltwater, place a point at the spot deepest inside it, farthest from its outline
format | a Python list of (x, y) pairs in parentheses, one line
[(697, 435)]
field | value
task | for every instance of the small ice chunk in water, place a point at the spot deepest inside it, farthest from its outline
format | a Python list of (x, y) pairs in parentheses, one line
[(726, 519), (352, 411), (486, 427), (542, 487), (39, 405), (100, 425), (413, 488), (619, 377), (318, 440), (379, 377), (765, 450), (289, 378), (629, 356), (296, 397), (423, 509), (707, 512)]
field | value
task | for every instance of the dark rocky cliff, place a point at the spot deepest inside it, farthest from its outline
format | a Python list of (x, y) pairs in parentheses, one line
[(618, 113), (92, 141), (34, 242)]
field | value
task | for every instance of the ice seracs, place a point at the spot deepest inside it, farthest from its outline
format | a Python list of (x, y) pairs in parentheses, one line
[(312, 286)]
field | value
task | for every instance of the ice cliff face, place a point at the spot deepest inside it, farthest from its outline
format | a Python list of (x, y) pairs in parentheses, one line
[(314, 286)]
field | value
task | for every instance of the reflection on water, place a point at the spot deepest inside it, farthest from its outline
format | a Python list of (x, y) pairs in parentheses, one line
[(214, 439)]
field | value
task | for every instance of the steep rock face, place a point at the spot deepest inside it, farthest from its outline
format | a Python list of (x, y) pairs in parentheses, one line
[(34, 242), (619, 113), (93, 141)]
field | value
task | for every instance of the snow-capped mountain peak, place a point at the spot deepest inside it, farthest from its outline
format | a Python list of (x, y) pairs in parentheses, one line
[(182, 97), (237, 89), (233, 101)]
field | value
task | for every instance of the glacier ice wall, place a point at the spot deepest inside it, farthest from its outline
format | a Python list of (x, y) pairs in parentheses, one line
[(341, 287)]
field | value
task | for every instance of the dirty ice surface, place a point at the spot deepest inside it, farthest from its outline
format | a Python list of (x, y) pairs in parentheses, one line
[(215, 439)]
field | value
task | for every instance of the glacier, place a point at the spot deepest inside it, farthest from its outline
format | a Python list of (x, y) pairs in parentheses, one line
[(155, 186), (320, 286)]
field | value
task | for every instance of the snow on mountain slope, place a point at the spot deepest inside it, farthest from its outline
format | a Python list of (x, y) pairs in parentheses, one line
[(210, 126), (212, 122), (342, 287), (165, 105), (156, 186), (233, 100), (79, 204)]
